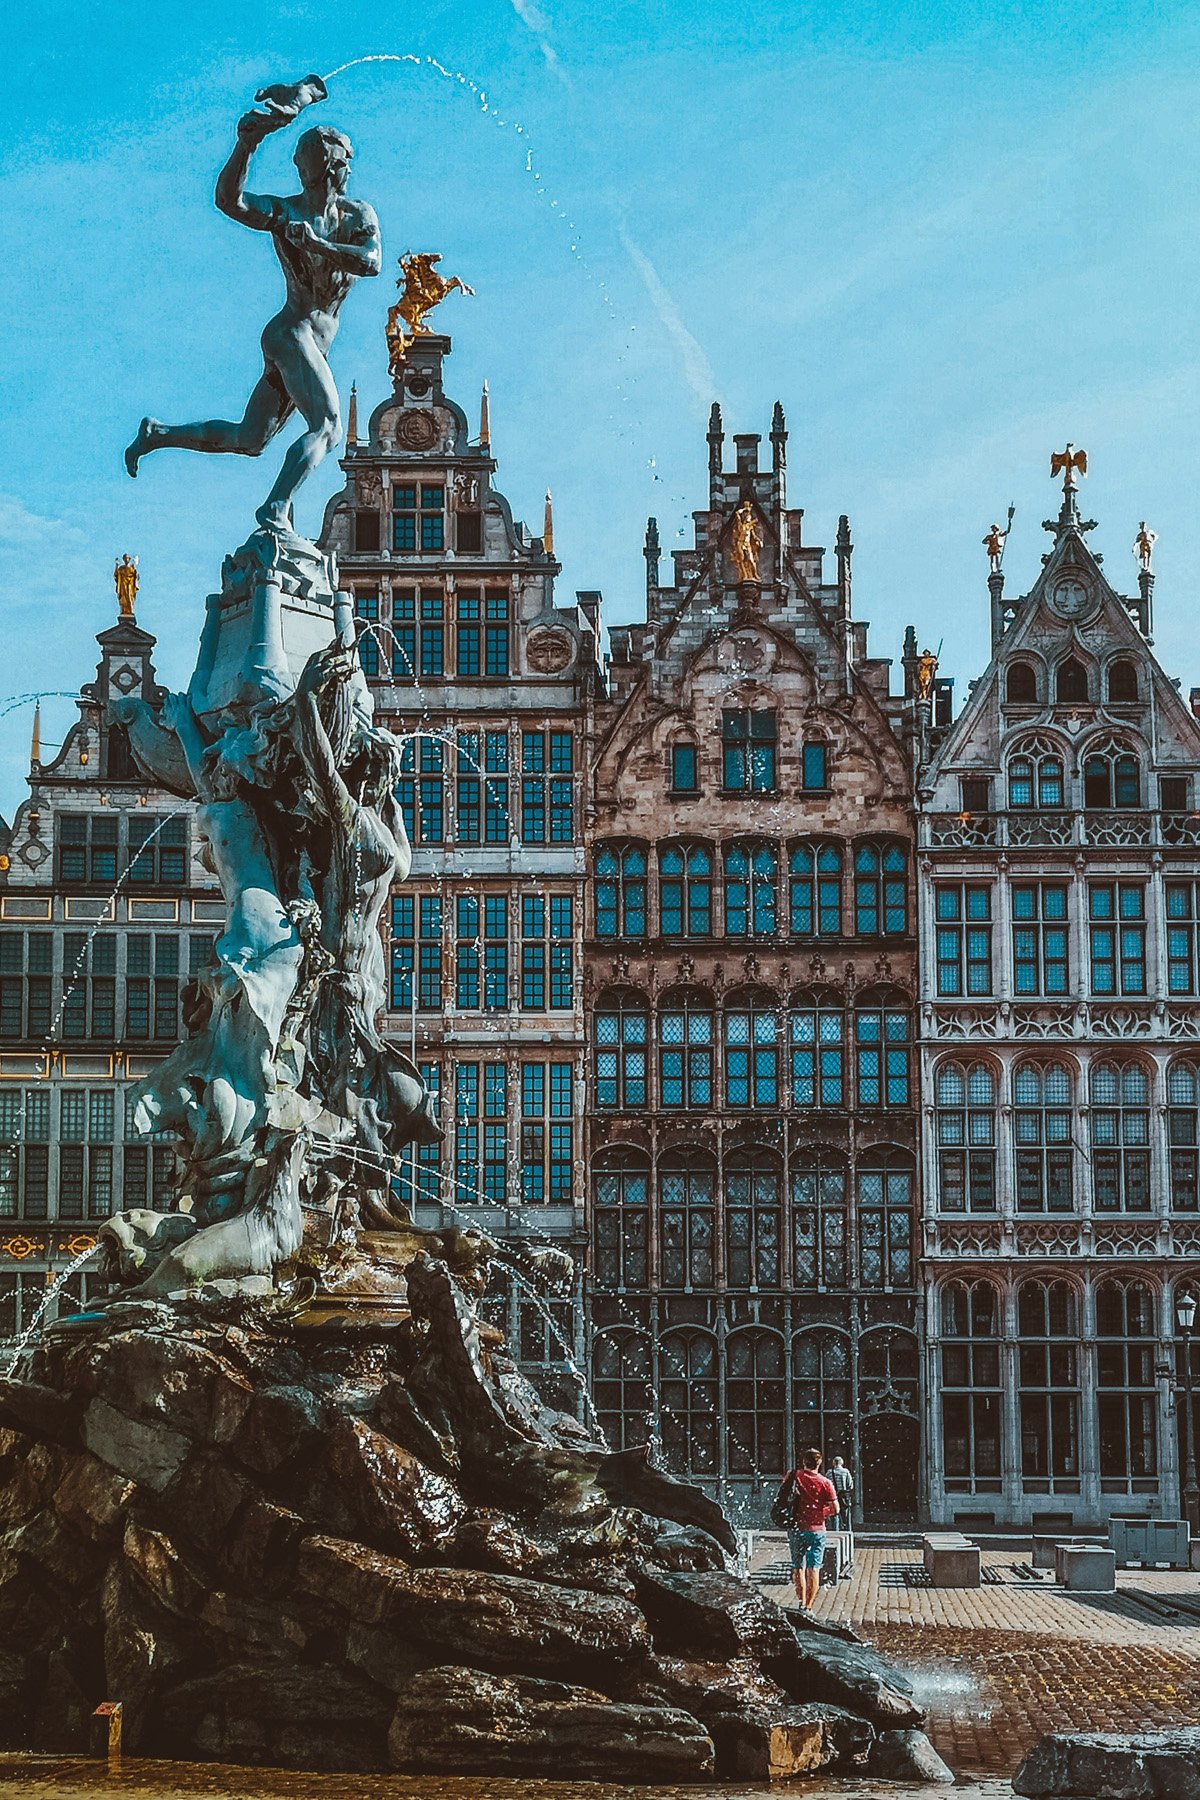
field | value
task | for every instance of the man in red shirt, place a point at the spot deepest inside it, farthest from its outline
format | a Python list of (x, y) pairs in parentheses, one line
[(812, 1499)]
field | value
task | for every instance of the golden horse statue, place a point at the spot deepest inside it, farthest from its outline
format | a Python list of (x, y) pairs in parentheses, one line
[(422, 288)]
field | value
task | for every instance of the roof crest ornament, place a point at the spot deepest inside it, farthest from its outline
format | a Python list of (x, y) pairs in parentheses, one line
[(1067, 463)]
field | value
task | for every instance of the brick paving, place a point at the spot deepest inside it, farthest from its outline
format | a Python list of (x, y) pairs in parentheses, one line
[(1001, 1664)]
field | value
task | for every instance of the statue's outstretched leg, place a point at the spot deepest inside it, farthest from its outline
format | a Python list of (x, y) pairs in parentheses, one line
[(267, 409), (302, 365)]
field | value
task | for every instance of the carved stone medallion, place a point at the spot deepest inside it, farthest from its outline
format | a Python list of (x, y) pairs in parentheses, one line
[(549, 652), (416, 431)]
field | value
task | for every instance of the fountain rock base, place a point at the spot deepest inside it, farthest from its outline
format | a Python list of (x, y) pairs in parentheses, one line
[(358, 1540)]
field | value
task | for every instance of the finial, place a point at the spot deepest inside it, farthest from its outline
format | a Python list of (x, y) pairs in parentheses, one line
[(716, 437), (1066, 463), (125, 580), (485, 420), (652, 545), (1143, 545), (352, 421), (35, 746), (714, 419), (843, 535), (548, 527)]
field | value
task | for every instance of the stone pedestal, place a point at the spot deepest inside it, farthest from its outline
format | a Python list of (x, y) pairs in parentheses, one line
[(1086, 1569)]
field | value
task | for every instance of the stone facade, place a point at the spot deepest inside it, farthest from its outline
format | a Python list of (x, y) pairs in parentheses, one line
[(471, 660), (750, 981), (1059, 886), (105, 909)]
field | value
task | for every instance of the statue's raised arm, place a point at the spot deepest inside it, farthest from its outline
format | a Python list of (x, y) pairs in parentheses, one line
[(324, 242)]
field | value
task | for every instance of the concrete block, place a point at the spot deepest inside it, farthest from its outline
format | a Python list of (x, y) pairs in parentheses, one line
[(1086, 1569), (1045, 1546), (951, 1560)]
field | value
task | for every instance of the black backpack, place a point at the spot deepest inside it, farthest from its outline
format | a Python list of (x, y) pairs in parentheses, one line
[(781, 1505)]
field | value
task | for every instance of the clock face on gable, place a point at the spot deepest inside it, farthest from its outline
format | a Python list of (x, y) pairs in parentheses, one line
[(1071, 598)]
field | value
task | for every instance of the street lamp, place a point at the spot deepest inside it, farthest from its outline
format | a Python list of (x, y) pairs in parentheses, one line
[(1185, 1312)]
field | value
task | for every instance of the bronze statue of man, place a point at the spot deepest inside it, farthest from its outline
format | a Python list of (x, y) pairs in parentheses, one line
[(324, 242)]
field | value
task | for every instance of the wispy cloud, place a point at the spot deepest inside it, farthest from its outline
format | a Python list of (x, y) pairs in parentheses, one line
[(20, 528), (696, 365), (535, 21)]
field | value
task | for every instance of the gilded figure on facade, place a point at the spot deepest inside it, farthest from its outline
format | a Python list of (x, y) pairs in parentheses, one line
[(422, 288), (746, 542), (927, 664), (125, 579), (996, 540), (1143, 545)]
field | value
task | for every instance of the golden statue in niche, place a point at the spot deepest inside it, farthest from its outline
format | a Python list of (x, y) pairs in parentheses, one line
[(125, 580), (745, 543), (422, 288)]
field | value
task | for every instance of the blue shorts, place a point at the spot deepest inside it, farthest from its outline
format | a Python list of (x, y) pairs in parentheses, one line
[(807, 1548)]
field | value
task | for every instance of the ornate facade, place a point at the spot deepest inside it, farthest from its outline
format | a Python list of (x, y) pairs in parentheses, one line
[(1059, 883), (750, 981), (489, 681)]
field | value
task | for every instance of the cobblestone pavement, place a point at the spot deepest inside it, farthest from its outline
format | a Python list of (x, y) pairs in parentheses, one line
[(1001, 1664)]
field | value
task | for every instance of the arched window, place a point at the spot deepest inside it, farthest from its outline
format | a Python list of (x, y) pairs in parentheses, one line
[(1120, 1113), (1048, 1329), (880, 890), (1183, 1134), (819, 1223), (815, 893), (685, 890), (620, 1215), (751, 872), (1122, 682), (622, 1387), (887, 1363), (1035, 777), (1070, 682), (622, 1031), (971, 1393), (752, 1219), (686, 1211), (1021, 684), (685, 1050), (885, 1220), (754, 1401), (1111, 777), (821, 1391), (620, 891), (1042, 1134), (817, 1031), (1127, 1400), (752, 1051), (966, 1134), (689, 1392), (882, 1031)]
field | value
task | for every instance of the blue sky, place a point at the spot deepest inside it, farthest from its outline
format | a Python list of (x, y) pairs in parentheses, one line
[(948, 238)]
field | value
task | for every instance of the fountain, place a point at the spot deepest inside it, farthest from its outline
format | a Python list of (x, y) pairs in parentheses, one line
[(284, 1497)]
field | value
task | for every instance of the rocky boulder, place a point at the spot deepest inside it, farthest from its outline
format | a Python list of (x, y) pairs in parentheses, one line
[(1097, 1765), (779, 1744)]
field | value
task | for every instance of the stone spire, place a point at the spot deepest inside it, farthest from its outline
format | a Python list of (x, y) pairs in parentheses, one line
[(352, 421), (716, 438), (485, 420), (652, 551), (35, 744), (548, 527), (778, 437)]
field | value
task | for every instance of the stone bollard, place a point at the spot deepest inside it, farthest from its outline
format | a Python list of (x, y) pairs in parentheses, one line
[(106, 1731)]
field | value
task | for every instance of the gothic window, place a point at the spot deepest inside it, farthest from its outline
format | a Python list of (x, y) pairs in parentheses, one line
[(815, 892), (1048, 1332), (1040, 941), (1122, 682), (754, 1401), (966, 1135), (817, 1033), (752, 1219), (1183, 1134), (685, 777), (880, 890), (1111, 777), (621, 1034), (620, 891), (620, 1220), (1120, 1116), (814, 766), (888, 1361), (1117, 915), (686, 1215), (1042, 1137), (819, 1224), (685, 1051), (750, 890), (882, 1055), (752, 1053), (689, 1391), (971, 1392), (685, 890), (885, 1220), (963, 911), (748, 744), (1127, 1397), (621, 1383), (821, 1391), (1071, 683), (1035, 777), (1021, 684)]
